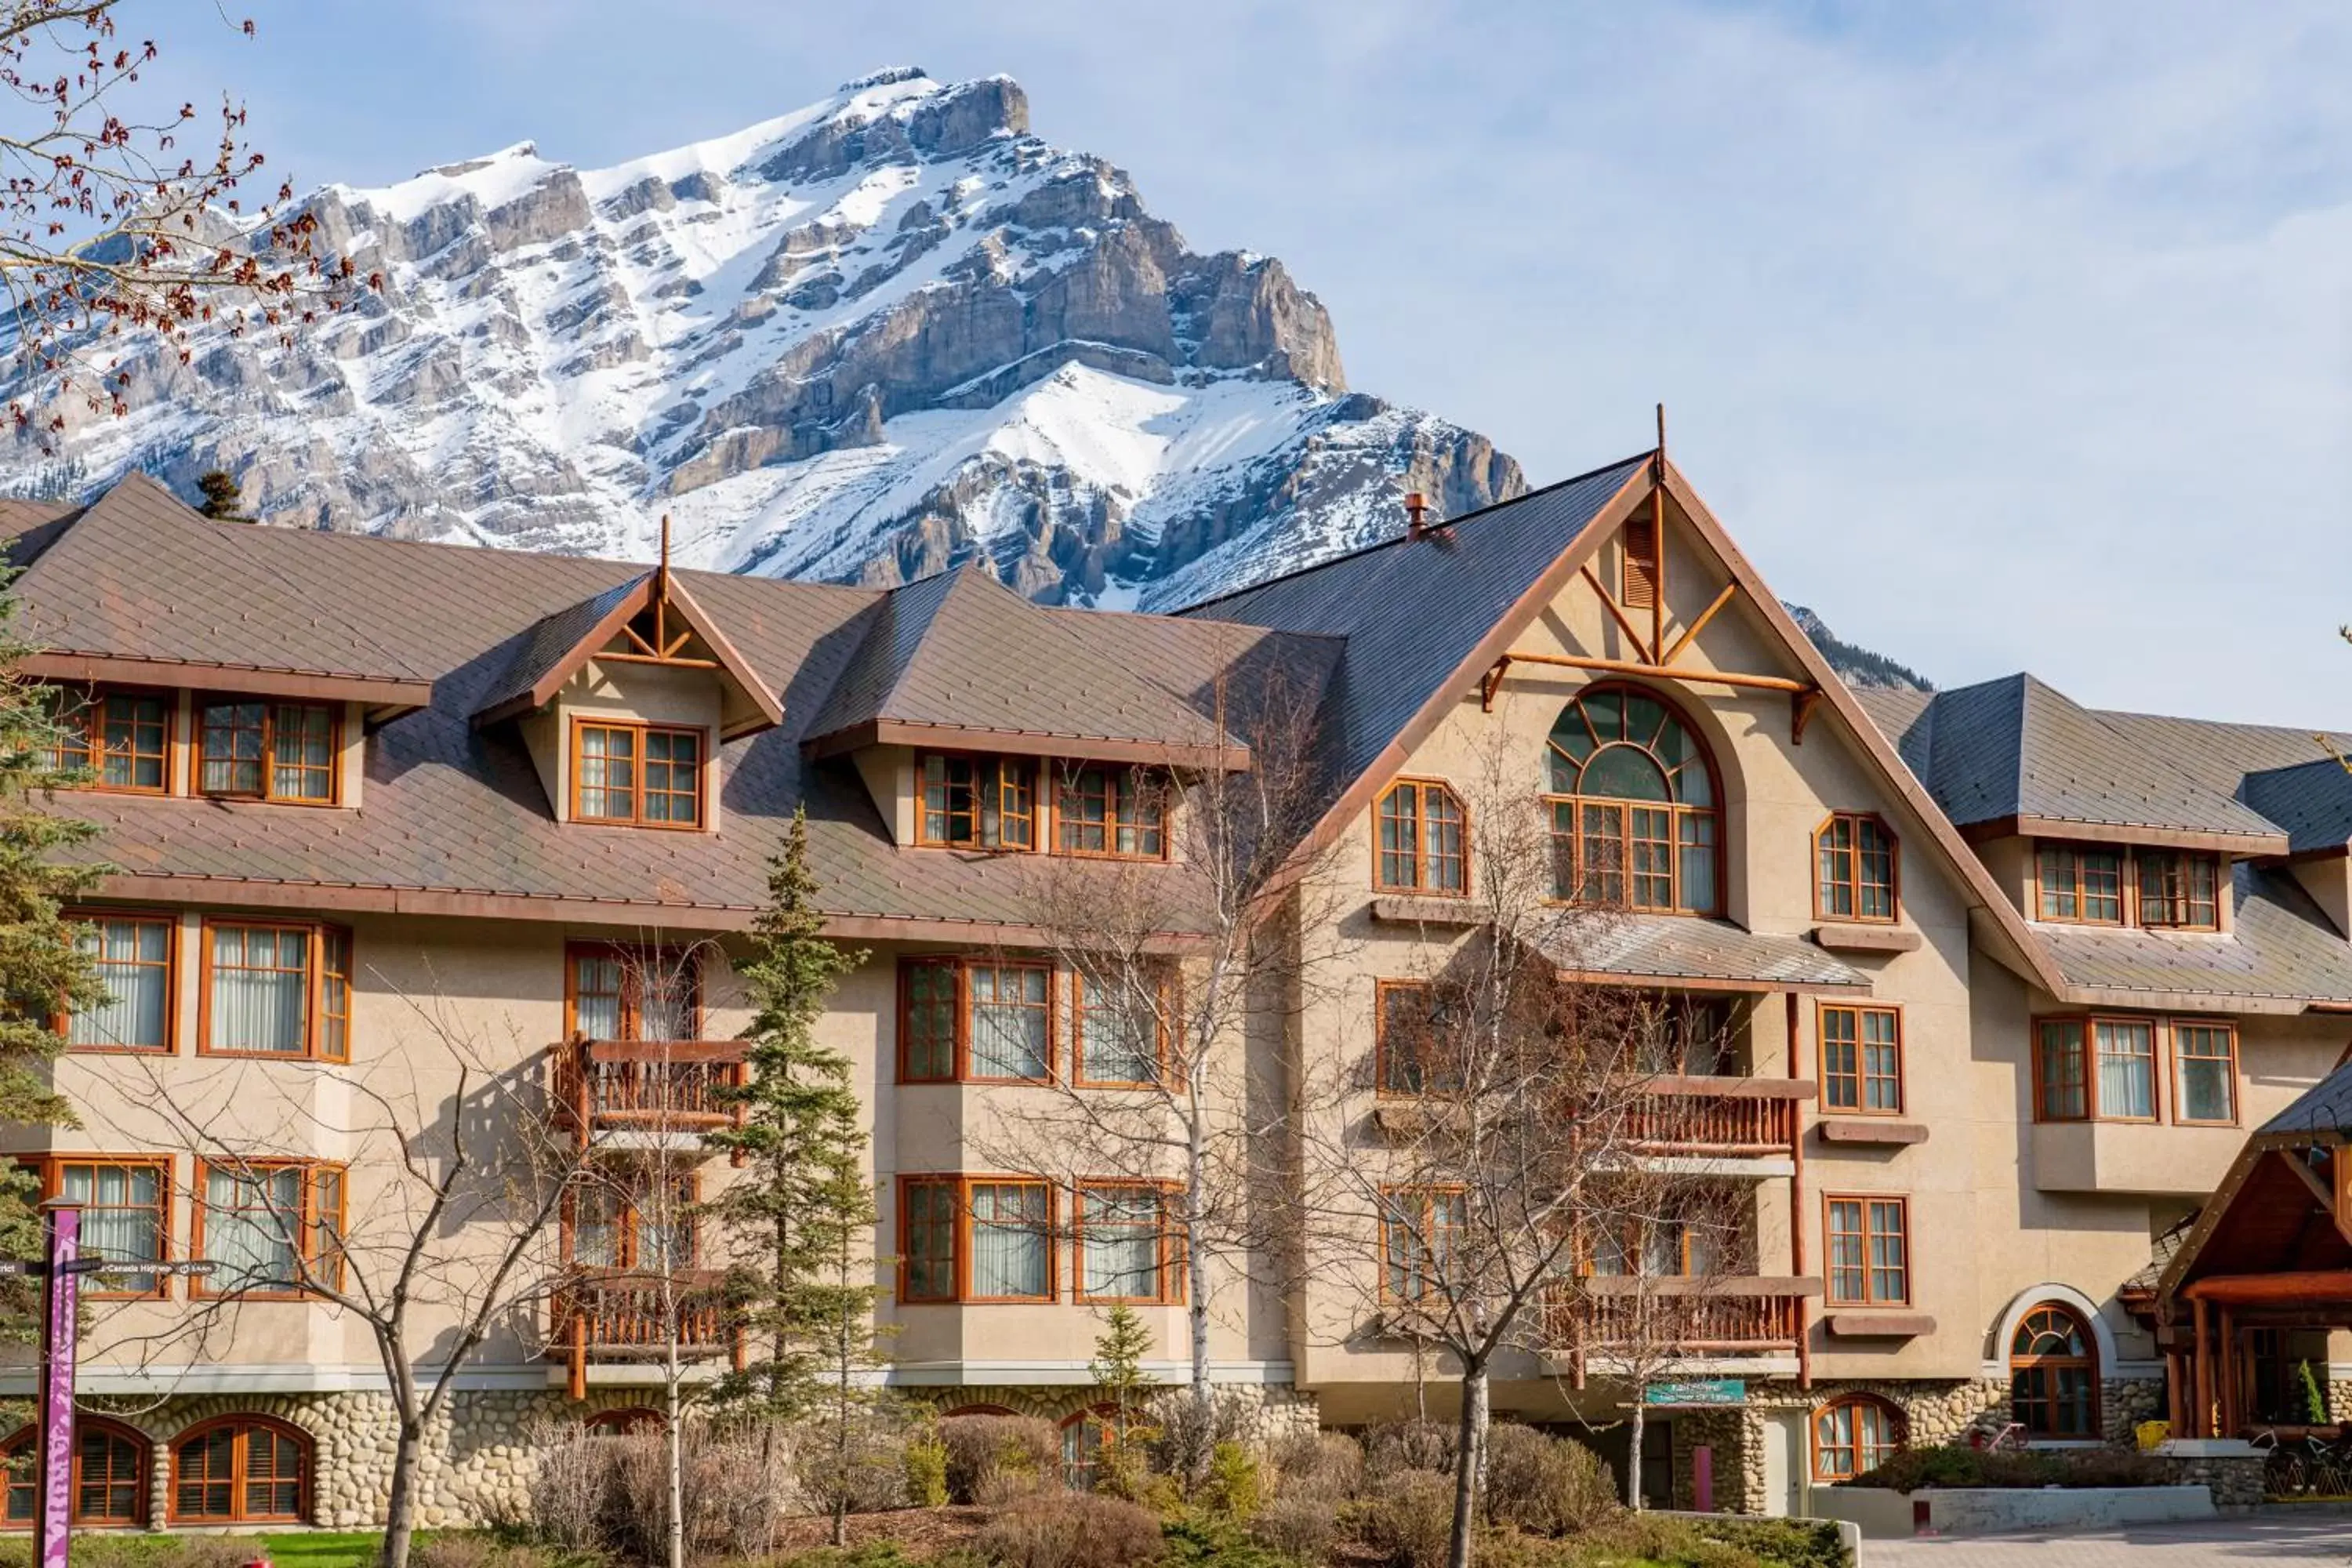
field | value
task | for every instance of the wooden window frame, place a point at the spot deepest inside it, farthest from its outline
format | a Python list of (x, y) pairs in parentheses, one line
[(2125, 885), (1862, 1076), (583, 723), (1004, 764), (315, 1013), (310, 1224), (630, 1222), (964, 964), (1829, 1233), (1383, 1051), (624, 1421), (2161, 1106), (1171, 1272), (2228, 1028), (1165, 1052), (47, 1169), (1423, 1195), (269, 707), (1568, 849), (2088, 1361), (1421, 886), (1118, 784), (632, 959), (62, 1020), (963, 1184), (1641, 572), (2188, 860), (26, 1440), (89, 716), (1853, 882), (1898, 1427), (304, 1444)]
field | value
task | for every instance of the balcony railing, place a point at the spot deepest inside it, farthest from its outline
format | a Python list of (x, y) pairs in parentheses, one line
[(1703, 1315), (620, 1316), (1741, 1118), (644, 1086)]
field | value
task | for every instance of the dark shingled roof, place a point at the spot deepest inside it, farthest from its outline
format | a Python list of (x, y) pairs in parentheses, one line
[(1675, 947), (552, 638), (2324, 1107), (2281, 948)]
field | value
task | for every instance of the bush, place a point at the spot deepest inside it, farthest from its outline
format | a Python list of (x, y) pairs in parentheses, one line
[(1233, 1487), (1196, 1540), (1955, 1465), (865, 1474), (1301, 1526), (1407, 1446), (1408, 1518), (1071, 1530), (994, 1459), (1325, 1465), (925, 1467), (1671, 1543), (144, 1550), (1545, 1485), (1185, 1437), (573, 1489), (867, 1554), (467, 1549), (738, 1485), (1782, 1542)]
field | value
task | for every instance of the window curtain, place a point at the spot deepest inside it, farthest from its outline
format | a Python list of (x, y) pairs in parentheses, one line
[(597, 997), (120, 1206), (1121, 1251), (2127, 1070), (1117, 1033), (130, 960), (251, 1219), (1009, 1243), (1008, 1023), (260, 994)]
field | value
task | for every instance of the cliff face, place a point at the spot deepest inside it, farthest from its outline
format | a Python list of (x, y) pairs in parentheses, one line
[(886, 334)]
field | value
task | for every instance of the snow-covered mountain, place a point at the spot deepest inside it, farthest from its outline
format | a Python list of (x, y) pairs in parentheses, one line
[(865, 342)]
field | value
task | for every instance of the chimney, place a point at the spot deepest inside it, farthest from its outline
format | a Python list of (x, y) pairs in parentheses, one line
[(1416, 508)]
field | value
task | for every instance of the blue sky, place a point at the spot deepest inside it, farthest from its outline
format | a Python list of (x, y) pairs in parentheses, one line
[(2005, 336)]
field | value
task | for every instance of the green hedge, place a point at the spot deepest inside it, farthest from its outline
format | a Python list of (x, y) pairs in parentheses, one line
[(1963, 1467)]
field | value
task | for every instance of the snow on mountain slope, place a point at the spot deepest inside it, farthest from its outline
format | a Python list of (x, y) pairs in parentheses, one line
[(866, 340)]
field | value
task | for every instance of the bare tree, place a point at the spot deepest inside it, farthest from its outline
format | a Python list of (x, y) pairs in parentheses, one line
[(448, 1239), (1487, 1131), (120, 216), (1186, 915)]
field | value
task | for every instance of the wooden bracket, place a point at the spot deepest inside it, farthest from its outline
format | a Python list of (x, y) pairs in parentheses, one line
[(1800, 712), (1490, 684)]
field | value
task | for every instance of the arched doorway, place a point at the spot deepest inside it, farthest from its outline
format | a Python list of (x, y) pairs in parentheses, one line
[(2054, 1373)]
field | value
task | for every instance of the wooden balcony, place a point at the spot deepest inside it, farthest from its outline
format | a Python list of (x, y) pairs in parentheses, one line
[(1719, 1118), (643, 1090), (1705, 1315), (616, 1316)]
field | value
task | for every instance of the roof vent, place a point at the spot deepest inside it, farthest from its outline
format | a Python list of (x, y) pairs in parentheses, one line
[(1416, 509)]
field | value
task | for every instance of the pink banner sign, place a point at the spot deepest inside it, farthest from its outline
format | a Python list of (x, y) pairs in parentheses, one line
[(60, 1323)]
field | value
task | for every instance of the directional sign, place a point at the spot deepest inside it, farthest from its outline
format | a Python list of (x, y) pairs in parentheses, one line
[(1696, 1392)]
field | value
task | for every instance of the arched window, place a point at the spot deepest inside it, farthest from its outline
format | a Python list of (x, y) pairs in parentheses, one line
[(1854, 874), (110, 1475), (1085, 1435), (1854, 1434), (241, 1469), (978, 1410), (1634, 807), (2054, 1374), (623, 1423)]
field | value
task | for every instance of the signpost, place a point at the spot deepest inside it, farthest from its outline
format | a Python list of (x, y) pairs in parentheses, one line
[(60, 1269)]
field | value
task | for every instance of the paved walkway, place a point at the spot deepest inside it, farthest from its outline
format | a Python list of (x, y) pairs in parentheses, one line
[(2264, 1541)]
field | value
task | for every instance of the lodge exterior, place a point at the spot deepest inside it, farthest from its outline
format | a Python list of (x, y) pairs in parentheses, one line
[(2006, 979)]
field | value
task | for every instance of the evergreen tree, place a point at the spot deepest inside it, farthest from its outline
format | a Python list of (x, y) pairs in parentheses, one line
[(1118, 1365), (224, 496), (798, 1216), (41, 964)]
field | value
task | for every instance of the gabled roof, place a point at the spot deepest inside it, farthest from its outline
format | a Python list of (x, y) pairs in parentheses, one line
[(561, 645), (960, 659), (2281, 954), (2016, 755), (2324, 1108)]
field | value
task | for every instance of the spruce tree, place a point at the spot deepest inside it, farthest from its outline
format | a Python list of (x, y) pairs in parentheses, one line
[(798, 1216), (224, 496)]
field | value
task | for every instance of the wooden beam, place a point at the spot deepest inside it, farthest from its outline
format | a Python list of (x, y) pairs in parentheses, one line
[(1490, 685), (1800, 713), (2202, 1418), (1658, 566), (1629, 666), (670, 659), (2321, 1192), (2321, 1288), (1797, 1199), (1690, 633), (1641, 643)]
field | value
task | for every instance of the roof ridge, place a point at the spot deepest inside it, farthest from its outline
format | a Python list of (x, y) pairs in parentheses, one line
[(1396, 539)]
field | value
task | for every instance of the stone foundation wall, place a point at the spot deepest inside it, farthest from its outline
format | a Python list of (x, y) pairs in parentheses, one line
[(479, 1456)]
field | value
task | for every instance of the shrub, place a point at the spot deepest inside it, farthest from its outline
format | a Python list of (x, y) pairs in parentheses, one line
[(1782, 1542), (572, 1489), (144, 1550), (468, 1549), (867, 1554), (1673, 1543), (1197, 1540), (1301, 1526), (993, 1459), (1957, 1465), (1545, 1485), (1233, 1487), (865, 1473), (1184, 1436), (1408, 1518), (1326, 1466), (925, 1466), (1071, 1530), (1407, 1446), (738, 1487)]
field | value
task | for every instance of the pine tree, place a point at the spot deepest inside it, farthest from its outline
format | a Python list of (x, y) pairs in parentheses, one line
[(224, 496), (1118, 1365), (41, 964), (800, 1215)]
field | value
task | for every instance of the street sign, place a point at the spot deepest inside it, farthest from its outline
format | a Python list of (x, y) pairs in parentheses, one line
[(95, 1263), (1694, 1393)]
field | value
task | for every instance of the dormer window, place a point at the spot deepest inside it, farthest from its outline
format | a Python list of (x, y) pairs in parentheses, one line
[(1116, 812), (122, 739), (976, 802), (2080, 886), (641, 775), (2154, 889), (2179, 890), (253, 749)]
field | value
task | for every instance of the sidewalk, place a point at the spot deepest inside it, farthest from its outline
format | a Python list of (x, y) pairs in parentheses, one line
[(2264, 1540)]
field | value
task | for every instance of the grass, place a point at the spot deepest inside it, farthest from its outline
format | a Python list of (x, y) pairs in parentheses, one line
[(322, 1549)]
